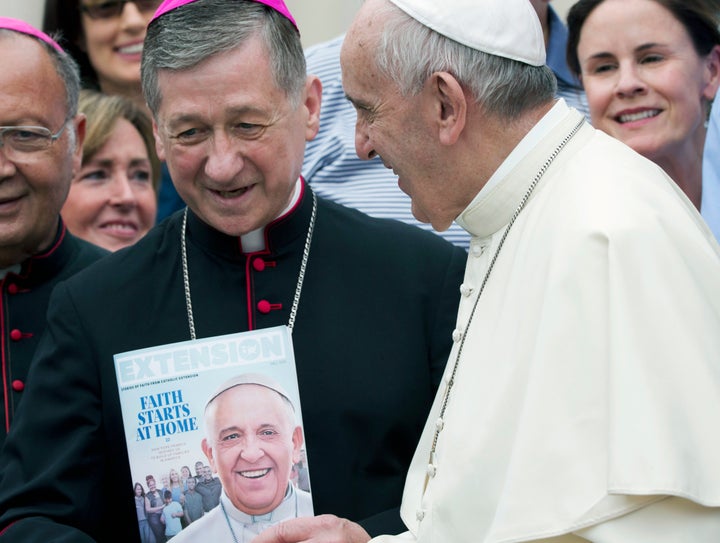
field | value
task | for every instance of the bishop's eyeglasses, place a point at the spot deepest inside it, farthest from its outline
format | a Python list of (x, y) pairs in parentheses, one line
[(113, 8), (18, 142)]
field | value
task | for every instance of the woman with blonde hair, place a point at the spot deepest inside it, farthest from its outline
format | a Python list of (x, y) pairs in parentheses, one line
[(113, 198)]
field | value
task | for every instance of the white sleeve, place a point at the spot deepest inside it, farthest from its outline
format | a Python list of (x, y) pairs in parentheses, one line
[(404, 537), (672, 520)]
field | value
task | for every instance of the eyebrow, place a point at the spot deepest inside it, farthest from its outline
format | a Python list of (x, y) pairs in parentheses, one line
[(140, 162), (639, 49), (26, 121), (106, 163), (357, 103), (193, 117), (235, 428), (650, 45)]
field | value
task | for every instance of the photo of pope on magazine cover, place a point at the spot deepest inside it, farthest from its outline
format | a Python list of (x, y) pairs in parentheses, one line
[(214, 434)]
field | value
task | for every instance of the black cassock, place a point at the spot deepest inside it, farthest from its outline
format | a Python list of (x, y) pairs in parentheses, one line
[(371, 338)]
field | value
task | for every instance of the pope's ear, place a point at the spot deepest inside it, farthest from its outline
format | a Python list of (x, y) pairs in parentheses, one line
[(452, 106)]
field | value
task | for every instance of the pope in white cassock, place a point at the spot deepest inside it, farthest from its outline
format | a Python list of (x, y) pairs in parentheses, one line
[(581, 400)]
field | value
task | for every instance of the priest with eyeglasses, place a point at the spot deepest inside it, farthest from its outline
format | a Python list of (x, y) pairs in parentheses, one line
[(41, 135)]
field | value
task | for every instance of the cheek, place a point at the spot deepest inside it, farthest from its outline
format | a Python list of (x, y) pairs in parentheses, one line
[(55, 194), (183, 166), (80, 206), (285, 456), (221, 463), (147, 203), (599, 96), (278, 162), (691, 100), (97, 36)]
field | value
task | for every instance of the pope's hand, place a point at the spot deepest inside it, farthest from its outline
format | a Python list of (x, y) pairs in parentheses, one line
[(320, 529)]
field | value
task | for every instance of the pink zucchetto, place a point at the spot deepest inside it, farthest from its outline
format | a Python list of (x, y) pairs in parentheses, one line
[(504, 28), (277, 5), (24, 28)]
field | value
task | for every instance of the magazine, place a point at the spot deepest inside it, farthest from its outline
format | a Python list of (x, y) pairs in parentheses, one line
[(188, 414)]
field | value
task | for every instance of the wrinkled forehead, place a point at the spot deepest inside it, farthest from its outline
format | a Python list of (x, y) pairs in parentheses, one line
[(366, 27), (26, 60), (16, 45), (15, 42), (221, 81), (362, 41), (268, 395), (218, 411)]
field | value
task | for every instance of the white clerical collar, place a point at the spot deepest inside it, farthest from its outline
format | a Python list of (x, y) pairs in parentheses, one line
[(538, 132), (255, 240), (286, 509), (12, 269)]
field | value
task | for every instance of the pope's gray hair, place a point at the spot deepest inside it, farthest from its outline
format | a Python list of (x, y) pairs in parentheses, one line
[(410, 52), (185, 36)]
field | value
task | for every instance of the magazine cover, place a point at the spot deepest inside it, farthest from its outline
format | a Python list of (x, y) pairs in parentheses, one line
[(214, 436)]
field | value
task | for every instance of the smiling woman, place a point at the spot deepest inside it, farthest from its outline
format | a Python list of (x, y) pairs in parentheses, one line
[(105, 37), (112, 201), (650, 69)]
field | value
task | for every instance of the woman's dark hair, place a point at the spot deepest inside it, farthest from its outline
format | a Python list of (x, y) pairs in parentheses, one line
[(63, 18), (699, 17)]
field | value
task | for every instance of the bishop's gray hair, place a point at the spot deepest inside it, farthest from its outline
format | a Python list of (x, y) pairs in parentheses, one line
[(409, 53), (185, 36)]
